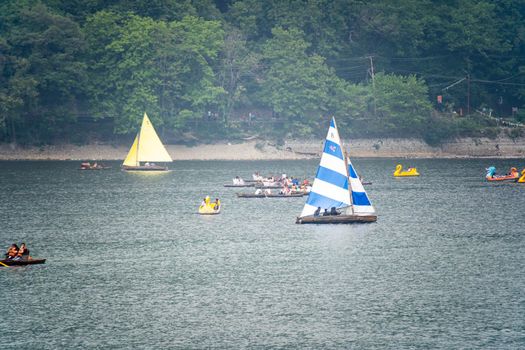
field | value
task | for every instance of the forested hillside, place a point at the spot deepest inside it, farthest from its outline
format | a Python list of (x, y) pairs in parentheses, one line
[(86, 70)]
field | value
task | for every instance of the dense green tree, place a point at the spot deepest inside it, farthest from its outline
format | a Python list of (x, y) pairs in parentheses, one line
[(401, 106), (45, 71), (295, 85), (298, 60), (237, 68), (154, 66), (17, 89)]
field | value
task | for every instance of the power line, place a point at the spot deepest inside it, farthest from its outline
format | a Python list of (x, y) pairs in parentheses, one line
[(496, 82)]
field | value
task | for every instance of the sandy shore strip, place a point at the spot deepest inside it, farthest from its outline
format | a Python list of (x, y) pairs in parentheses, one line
[(262, 150)]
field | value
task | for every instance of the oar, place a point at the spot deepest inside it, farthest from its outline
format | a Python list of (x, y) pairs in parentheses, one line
[(4, 265)]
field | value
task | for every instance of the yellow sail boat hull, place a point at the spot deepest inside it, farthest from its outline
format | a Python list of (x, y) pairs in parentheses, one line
[(145, 150)]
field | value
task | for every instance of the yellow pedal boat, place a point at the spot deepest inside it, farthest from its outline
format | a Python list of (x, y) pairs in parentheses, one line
[(409, 172), (522, 177), (209, 208)]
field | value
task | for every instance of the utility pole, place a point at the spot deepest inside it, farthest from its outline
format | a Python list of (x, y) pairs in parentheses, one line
[(468, 94), (373, 84)]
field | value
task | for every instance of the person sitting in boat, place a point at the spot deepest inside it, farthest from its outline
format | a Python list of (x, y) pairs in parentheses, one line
[(285, 190), (326, 213), (12, 252), (317, 212), (23, 252), (334, 211), (203, 203), (216, 204), (238, 181)]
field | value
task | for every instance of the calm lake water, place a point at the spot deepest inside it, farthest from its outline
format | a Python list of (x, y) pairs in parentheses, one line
[(131, 265)]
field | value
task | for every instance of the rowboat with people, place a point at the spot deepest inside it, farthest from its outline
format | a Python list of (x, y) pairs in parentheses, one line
[(491, 175), (239, 182), (94, 166), (269, 195), (19, 256)]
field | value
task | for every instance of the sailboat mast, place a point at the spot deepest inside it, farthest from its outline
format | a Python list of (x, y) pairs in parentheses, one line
[(349, 182), (138, 148)]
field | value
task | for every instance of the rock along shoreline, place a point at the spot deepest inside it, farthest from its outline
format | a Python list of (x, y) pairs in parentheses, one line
[(292, 149)]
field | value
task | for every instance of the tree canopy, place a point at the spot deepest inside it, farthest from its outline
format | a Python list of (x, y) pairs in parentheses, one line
[(231, 69)]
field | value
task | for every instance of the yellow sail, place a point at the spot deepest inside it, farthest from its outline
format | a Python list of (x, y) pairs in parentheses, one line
[(147, 146), (131, 158)]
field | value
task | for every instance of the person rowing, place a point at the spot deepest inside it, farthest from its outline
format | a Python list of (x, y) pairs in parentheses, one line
[(12, 252), (23, 252)]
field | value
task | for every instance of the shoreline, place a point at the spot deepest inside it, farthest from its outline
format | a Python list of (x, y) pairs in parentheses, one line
[(293, 149)]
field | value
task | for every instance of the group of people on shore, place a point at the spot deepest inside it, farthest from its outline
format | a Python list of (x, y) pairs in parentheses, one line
[(14, 252)]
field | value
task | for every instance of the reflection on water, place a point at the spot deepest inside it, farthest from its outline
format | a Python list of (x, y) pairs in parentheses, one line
[(131, 265)]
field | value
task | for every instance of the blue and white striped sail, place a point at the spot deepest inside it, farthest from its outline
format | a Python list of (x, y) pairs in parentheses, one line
[(330, 187), (360, 202)]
